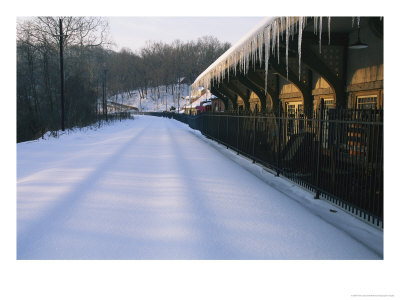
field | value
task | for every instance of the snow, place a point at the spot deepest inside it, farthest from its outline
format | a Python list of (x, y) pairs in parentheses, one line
[(152, 188)]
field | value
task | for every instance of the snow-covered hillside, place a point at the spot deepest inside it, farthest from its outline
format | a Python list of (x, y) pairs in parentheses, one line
[(156, 99)]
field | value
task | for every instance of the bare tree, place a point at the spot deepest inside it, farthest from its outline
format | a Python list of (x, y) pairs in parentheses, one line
[(82, 31), (38, 78)]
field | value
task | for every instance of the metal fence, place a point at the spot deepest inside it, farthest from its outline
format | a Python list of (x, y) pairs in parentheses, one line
[(337, 153)]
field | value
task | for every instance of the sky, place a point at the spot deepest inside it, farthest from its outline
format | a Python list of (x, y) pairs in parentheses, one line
[(134, 32)]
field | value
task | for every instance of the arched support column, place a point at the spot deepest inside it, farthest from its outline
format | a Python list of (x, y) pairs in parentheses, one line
[(236, 90), (221, 96), (336, 82), (273, 92), (251, 86), (305, 90), (231, 96)]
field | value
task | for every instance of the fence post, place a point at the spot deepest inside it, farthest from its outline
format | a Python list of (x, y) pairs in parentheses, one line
[(219, 139), (254, 138), (321, 116), (237, 135), (279, 139), (227, 132)]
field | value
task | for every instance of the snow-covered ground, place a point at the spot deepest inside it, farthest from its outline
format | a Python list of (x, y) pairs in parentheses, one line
[(152, 188)]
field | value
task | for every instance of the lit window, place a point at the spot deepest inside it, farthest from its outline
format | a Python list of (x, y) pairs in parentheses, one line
[(367, 102), (329, 103)]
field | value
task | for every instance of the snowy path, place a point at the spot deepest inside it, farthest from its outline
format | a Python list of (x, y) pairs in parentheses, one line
[(151, 189)]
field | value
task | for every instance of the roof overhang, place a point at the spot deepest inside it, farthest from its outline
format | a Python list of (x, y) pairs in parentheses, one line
[(249, 46), (256, 46)]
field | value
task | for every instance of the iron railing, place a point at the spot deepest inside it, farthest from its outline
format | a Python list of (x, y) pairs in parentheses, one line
[(336, 153)]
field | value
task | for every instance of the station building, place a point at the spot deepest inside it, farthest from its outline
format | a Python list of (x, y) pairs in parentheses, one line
[(339, 59)]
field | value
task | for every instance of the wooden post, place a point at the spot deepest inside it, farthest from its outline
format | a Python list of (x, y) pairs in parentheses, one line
[(104, 92), (62, 76)]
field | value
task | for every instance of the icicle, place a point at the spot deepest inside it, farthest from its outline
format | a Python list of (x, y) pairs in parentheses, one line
[(235, 61), (241, 62), (247, 56), (274, 37), (287, 47), (255, 46), (294, 28), (277, 37), (254, 52), (315, 25), (329, 30), (242, 59), (260, 42), (251, 52), (229, 69), (246, 60), (320, 33), (299, 42), (291, 28), (352, 21), (267, 46), (248, 53)]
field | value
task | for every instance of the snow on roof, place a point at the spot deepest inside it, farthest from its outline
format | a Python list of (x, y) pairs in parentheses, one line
[(203, 97), (195, 103), (198, 102), (264, 36), (230, 57)]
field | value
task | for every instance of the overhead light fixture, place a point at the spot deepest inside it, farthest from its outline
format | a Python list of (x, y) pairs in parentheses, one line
[(358, 44)]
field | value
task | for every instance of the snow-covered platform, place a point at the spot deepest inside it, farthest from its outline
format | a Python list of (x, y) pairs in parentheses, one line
[(152, 188)]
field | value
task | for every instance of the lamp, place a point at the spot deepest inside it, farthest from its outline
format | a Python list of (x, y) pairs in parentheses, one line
[(358, 44)]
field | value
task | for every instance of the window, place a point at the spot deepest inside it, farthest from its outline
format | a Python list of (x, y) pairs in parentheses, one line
[(329, 102), (295, 115), (327, 127), (293, 107), (367, 102)]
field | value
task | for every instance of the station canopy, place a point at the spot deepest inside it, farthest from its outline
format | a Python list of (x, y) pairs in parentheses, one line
[(257, 46)]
